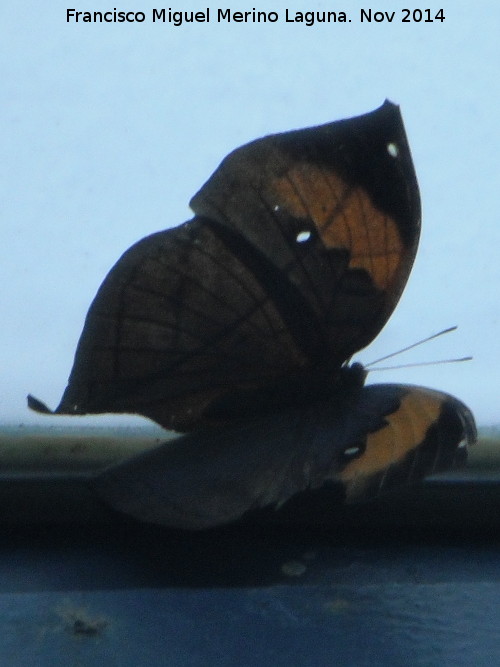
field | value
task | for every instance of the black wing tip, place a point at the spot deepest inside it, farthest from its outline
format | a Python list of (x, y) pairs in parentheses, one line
[(389, 106), (38, 406)]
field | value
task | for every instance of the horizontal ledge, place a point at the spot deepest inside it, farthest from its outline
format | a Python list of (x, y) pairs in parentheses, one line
[(26, 449), (44, 474), (457, 503)]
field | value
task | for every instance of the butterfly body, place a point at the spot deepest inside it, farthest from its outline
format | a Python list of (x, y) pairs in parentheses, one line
[(238, 327)]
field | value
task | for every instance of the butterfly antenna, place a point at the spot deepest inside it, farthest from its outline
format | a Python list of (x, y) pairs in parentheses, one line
[(420, 363), (420, 342)]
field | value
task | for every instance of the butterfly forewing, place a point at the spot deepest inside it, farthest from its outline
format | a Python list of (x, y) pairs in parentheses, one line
[(342, 184), (300, 248)]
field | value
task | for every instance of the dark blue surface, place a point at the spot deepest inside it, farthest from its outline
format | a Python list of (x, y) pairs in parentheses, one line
[(393, 624), (134, 595)]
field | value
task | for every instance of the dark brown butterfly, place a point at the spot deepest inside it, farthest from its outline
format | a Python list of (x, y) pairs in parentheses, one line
[(237, 327)]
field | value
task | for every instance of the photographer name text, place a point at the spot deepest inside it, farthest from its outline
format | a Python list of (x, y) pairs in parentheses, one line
[(230, 16)]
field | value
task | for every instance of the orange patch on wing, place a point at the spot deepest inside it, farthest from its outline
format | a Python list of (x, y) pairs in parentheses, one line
[(345, 217), (406, 430)]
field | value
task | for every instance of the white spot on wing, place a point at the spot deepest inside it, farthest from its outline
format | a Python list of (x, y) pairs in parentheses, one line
[(392, 149), (302, 237), (351, 451)]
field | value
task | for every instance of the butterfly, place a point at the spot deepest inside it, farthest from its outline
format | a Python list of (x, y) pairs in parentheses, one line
[(236, 328)]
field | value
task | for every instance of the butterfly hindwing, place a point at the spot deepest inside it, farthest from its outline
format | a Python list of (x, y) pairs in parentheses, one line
[(177, 321), (300, 248), (391, 436)]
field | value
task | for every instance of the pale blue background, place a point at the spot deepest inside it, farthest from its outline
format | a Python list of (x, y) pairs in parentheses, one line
[(108, 130)]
